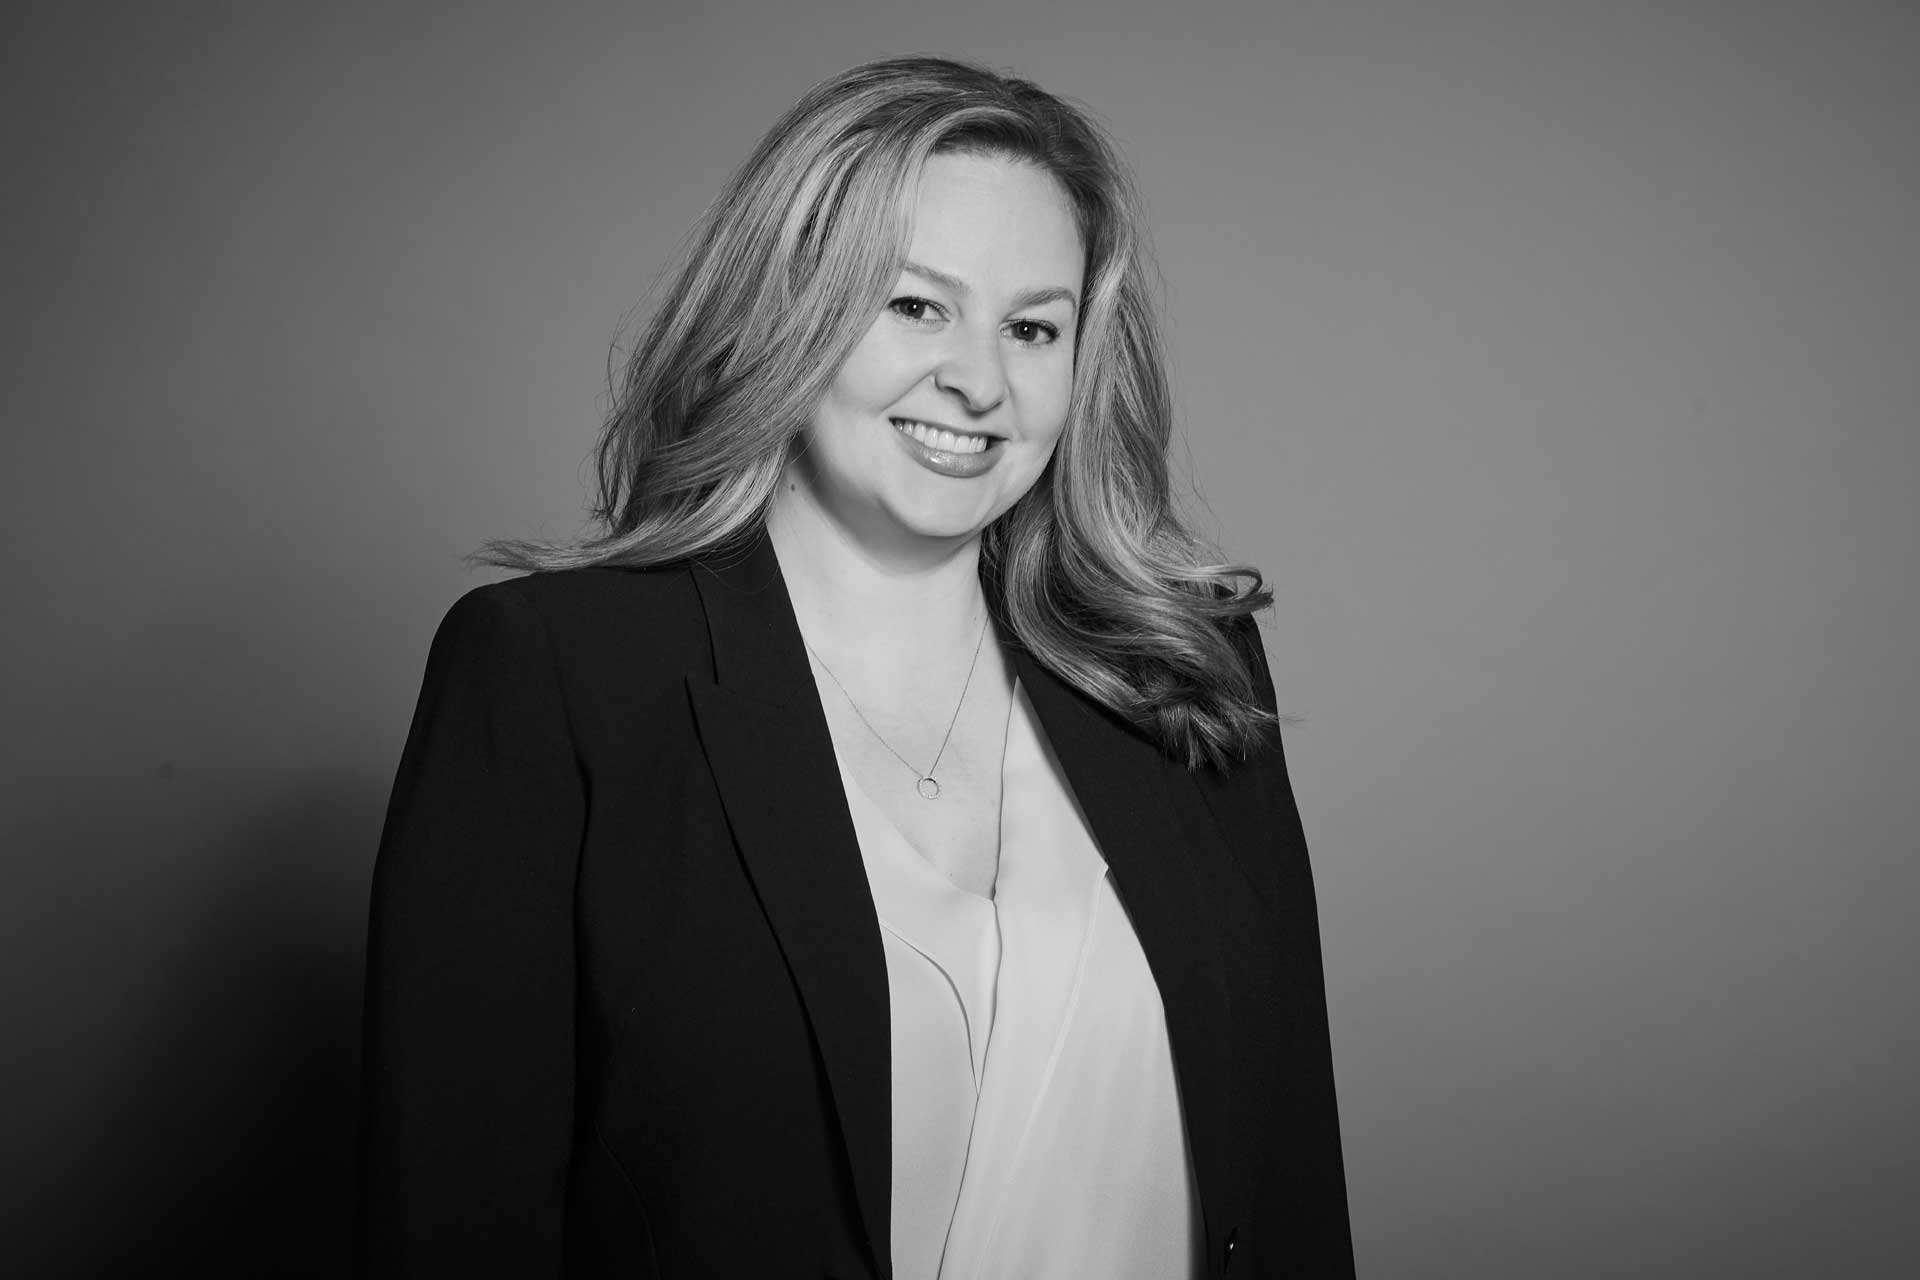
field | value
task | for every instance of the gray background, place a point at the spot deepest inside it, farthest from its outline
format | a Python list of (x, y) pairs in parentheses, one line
[(1557, 362)]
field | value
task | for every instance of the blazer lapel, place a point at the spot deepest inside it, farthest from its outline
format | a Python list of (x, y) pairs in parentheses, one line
[(766, 740), (1164, 875)]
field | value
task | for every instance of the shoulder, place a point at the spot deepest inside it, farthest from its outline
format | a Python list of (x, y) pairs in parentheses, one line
[(1263, 768), (583, 619), (1244, 634)]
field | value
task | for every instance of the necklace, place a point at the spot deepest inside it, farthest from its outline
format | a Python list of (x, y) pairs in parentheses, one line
[(925, 783)]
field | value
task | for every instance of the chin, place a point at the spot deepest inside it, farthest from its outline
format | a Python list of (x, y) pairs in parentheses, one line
[(930, 526), (944, 511)]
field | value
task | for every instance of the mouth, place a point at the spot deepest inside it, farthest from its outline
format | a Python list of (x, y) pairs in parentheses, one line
[(945, 439)]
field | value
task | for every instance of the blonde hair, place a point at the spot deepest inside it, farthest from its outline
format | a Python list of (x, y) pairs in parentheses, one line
[(1092, 569)]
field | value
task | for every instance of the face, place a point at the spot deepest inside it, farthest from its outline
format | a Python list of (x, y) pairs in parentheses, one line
[(950, 406)]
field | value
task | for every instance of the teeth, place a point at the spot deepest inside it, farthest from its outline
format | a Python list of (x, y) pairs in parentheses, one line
[(943, 440)]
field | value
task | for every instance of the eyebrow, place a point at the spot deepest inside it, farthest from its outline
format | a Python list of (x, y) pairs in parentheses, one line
[(1030, 298)]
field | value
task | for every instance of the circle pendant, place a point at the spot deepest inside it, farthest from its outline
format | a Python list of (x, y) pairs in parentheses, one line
[(928, 789)]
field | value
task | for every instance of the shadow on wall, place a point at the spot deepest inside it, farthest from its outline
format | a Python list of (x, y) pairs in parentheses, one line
[(219, 1138)]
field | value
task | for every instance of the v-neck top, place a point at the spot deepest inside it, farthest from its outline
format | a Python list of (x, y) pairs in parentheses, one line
[(1036, 1124)]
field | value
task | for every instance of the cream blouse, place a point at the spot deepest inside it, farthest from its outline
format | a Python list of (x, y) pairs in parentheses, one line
[(1036, 1127)]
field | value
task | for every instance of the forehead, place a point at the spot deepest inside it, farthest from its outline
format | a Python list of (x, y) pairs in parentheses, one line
[(998, 223)]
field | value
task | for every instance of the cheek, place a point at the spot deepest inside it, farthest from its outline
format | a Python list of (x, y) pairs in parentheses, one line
[(1050, 396), (874, 377), (851, 390)]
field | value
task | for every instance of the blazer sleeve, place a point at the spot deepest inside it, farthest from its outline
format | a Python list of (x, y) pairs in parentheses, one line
[(467, 1076), (1315, 1187)]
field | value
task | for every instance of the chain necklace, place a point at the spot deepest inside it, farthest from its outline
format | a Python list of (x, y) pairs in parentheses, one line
[(925, 783)]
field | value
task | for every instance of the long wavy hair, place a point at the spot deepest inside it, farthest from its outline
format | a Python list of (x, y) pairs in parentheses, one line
[(1093, 569)]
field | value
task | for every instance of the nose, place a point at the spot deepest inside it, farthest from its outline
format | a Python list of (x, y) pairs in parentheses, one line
[(972, 371)]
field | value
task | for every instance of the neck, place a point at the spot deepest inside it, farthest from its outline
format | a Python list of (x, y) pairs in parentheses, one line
[(897, 608)]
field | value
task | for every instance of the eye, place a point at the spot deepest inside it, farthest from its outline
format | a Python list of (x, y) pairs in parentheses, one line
[(1034, 333), (918, 310)]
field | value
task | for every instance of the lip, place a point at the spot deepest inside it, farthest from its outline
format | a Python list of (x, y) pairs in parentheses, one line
[(960, 466)]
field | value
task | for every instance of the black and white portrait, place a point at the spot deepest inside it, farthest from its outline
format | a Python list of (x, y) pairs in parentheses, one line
[(1000, 641)]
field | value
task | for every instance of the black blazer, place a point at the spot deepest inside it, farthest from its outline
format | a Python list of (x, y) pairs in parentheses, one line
[(626, 999)]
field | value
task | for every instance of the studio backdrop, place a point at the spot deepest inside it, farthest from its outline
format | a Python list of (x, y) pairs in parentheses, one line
[(1555, 362)]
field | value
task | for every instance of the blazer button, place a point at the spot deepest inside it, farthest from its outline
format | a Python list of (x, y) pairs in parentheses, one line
[(1226, 1256)]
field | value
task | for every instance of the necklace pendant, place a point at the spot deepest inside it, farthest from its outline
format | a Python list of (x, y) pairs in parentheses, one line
[(928, 788)]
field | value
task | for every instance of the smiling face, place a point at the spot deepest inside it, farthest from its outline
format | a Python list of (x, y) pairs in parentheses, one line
[(949, 408)]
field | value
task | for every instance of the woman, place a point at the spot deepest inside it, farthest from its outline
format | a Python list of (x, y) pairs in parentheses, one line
[(873, 856)]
